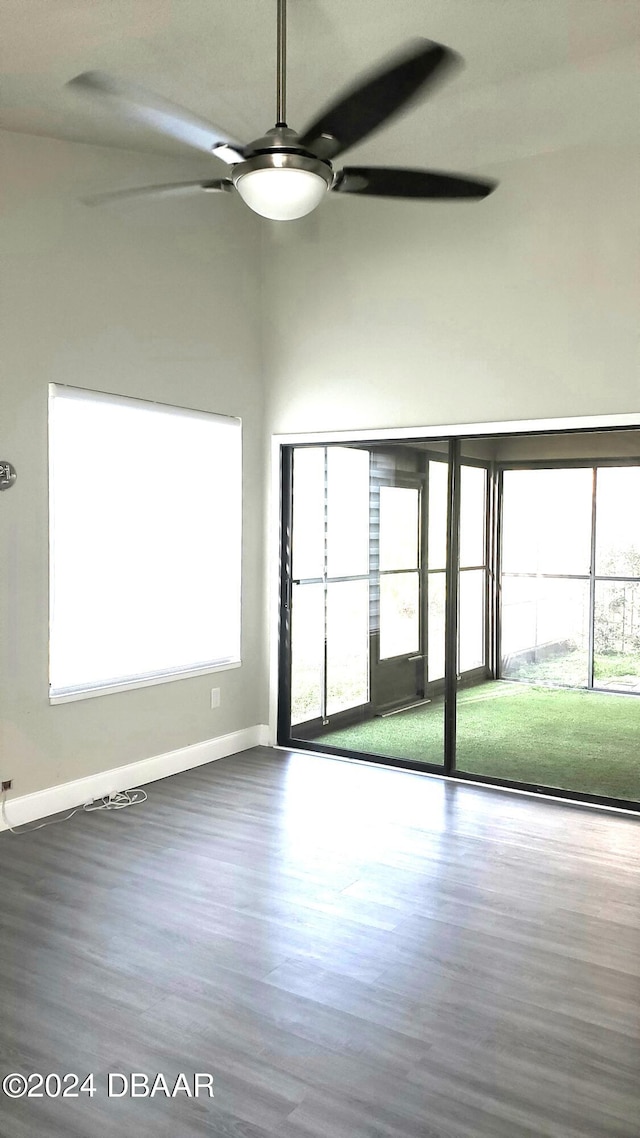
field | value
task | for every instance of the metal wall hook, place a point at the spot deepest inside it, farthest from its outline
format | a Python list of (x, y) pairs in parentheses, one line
[(7, 475)]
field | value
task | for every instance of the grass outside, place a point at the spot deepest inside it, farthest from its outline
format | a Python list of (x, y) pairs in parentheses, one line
[(573, 740), (571, 668), (614, 664)]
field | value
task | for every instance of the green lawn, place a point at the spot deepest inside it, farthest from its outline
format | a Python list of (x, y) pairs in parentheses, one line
[(575, 740)]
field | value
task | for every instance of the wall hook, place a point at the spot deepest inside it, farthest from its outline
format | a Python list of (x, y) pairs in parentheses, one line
[(7, 475)]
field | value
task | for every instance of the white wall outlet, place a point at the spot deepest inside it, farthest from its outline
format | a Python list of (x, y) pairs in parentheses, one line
[(215, 698)]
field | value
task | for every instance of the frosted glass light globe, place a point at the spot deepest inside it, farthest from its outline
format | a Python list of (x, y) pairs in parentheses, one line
[(281, 193)]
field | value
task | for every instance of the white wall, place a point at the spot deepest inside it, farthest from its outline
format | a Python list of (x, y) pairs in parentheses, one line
[(388, 314), (158, 301)]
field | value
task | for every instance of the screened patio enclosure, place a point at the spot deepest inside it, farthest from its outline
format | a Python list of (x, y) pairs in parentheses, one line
[(467, 606)]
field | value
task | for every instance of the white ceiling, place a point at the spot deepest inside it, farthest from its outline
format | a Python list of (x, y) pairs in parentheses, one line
[(540, 74)]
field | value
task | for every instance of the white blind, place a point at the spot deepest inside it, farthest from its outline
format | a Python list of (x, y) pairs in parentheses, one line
[(145, 540)]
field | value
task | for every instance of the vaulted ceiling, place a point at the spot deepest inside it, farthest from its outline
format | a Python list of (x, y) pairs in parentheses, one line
[(540, 75)]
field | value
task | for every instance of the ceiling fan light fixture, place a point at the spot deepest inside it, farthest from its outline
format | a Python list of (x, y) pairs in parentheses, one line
[(282, 187)]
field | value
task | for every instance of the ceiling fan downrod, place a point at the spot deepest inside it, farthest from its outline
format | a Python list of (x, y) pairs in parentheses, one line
[(281, 65)]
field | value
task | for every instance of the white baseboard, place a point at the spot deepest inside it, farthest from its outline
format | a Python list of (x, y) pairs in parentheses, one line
[(31, 807)]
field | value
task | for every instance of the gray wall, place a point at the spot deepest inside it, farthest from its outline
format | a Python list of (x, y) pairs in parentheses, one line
[(157, 301), (525, 305)]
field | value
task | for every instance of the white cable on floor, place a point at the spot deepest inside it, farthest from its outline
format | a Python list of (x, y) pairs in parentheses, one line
[(108, 802), (40, 825), (117, 801)]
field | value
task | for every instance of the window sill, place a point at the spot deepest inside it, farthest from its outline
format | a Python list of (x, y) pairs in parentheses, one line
[(143, 682)]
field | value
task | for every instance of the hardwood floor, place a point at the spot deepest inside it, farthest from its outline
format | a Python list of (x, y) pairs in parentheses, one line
[(351, 952)]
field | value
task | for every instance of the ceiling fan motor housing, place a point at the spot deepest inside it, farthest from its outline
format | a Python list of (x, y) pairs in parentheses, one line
[(279, 178)]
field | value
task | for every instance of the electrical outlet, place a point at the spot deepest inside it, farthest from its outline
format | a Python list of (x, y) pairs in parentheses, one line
[(7, 783), (215, 698)]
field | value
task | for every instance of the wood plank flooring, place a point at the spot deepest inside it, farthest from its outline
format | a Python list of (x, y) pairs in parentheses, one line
[(351, 952)]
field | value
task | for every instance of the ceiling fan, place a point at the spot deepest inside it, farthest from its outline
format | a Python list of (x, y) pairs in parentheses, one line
[(285, 175)]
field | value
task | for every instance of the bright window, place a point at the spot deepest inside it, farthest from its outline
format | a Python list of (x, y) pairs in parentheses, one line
[(145, 541)]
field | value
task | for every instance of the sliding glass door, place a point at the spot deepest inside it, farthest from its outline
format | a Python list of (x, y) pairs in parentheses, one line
[(568, 627), (452, 606), (365, 606)]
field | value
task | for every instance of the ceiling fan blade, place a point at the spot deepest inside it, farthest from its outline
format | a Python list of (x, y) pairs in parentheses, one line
[(171, 189), (395, 182), (168, 118), (376, 97)]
